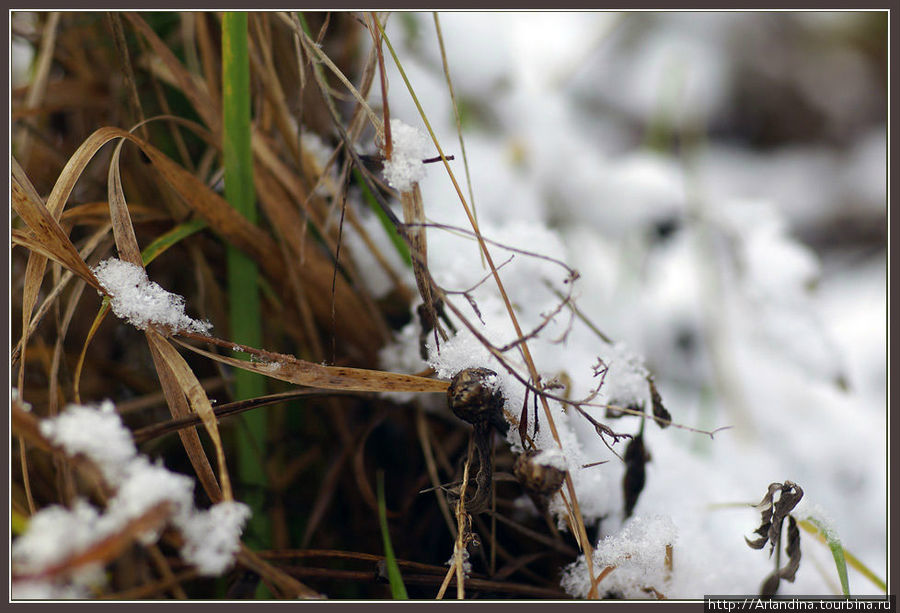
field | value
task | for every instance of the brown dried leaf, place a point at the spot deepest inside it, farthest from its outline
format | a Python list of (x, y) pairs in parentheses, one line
[(178, 406), (123, 229), (301, 372), (636, 458), (766, 509), (789, 571), (41, 220), (663, 418), (198, 400), (770, 585), (790, 496)]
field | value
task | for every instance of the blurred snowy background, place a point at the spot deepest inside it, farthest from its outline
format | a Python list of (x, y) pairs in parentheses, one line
[(719, 182)]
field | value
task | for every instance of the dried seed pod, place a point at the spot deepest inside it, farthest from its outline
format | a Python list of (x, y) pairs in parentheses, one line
[(473, 397), (537, 478)]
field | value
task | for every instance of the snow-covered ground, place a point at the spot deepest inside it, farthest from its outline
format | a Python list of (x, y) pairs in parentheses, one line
[(688, 260)]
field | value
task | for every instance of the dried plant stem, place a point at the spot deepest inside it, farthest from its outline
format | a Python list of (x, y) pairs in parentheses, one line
[(428, 454), (462, 144), (575, 519)]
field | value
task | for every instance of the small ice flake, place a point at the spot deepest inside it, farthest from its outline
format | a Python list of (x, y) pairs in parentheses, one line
[(142, 302), (466, 564), (410, 147)]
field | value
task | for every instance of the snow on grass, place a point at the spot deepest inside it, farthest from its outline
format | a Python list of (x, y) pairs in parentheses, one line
[(553, 457), (410, 147), (55, 533), (142, 302), (696, 274), (638, 554), (95, 433), (213, 536)]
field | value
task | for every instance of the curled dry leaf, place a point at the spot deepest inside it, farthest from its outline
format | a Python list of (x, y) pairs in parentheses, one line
[(773, 513), (789, 571), (636, 458), (663, 418)]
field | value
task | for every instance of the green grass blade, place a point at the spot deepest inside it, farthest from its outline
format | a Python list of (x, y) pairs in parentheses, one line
[(841, 556), (163, 242), (837, 550), (398, 589), (18, 523), (243, 277), (396, 239)]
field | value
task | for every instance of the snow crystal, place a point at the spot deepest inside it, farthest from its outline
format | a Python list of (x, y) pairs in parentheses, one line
[(410, 147), (142, 302), (553, 457), (212, 537), (626, 380), (466, 564), (638, 554), (96, 434)]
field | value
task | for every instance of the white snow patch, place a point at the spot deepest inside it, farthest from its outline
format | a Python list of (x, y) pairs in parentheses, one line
[(638, 554), (142, 302), (55, 533), (410, 147), (95, 433), (213, 536), (552, 457)]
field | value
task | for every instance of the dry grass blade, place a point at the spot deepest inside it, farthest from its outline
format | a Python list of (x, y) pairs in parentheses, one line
[(300, 372), (428, 453), (27, 426), (190, 86), (30, 243), (198, 400), (38, 86), (42, 221), (50, 241), (178, 406), (314, 50), (287, 584), (123, 229)]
